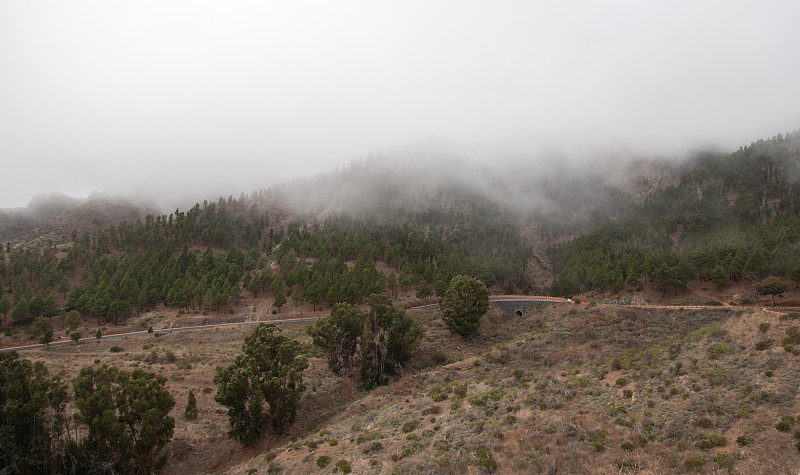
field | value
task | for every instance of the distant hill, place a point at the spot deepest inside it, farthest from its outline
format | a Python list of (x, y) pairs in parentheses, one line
[(726, 217), (56, 216)]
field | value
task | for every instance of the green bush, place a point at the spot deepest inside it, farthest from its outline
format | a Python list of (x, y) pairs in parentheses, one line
[(460, 391), (410, 426), (627, 394), (438, 394), (793, 337), (344, 466), (323, 461), (695, 463), (115, 349), (373, 447), (710, 441), (764, 344), (485, 459), (743, 440), (717, 350), (785, 424), (627, 445), (704, 423)]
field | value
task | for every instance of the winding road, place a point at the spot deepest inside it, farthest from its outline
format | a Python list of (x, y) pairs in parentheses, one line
[(156, 332), (493, 298)]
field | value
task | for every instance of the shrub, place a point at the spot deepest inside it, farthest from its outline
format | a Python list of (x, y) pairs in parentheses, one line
[(694, 463), (333, 442), (410, 426), (627, 394), (479, 400), (793, 337), (785, 423), (270, 456), (764, 344), (768, 373), (115, 349), (718, 349), (743, 440), (710, 441), (627, 445), (460, 391), (344, 466), (598, 441), (323, 461), (621, 382), (704, 423), (369, 436), (373, 447), (485, 459), (763, 327), (438, 394)]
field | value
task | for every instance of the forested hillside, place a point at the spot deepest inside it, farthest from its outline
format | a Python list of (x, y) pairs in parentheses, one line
[(377, 226), (732, 216), (206, 258)]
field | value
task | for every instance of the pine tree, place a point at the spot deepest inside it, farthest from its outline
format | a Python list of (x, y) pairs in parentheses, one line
[(190, 413), (465, 301)]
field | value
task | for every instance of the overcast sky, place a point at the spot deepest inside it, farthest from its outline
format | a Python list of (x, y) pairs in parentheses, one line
[(227, 96)]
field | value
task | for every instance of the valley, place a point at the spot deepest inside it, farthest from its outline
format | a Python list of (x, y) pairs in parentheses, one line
[(652, 347)]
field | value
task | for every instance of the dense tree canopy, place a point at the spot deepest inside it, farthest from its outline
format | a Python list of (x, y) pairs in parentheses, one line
[(269, 371), (127, 417), (730, 217), (32, 417), (382, 339)]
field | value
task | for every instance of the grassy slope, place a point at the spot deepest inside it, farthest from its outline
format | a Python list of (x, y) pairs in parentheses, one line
[(548, 393)]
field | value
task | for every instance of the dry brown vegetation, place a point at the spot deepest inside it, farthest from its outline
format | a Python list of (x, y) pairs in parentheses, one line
[(578, 388)]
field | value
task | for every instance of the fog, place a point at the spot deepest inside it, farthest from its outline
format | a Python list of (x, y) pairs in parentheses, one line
[(185, 100)]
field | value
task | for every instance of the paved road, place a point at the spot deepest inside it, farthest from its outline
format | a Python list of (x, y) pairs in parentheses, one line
[(509, 298), (159, 332), (493, 298)]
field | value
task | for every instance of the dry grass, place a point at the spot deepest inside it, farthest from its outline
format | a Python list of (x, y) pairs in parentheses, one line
[(581, 388)]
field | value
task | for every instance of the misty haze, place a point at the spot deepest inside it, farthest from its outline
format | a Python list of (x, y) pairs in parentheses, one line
[(420, 237)]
